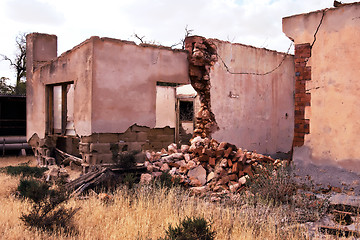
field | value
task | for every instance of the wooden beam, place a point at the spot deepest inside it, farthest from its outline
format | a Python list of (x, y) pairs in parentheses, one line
[(63, 108)]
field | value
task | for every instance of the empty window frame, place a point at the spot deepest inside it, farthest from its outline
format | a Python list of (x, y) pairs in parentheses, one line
[(186, 110), (60, 101)]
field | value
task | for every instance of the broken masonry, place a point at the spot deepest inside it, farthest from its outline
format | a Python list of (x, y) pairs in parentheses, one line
[(202, 56)]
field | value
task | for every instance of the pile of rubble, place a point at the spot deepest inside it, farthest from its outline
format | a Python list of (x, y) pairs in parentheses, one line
[(207, 165)]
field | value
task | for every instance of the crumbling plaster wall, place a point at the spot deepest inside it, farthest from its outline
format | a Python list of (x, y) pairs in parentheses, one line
[(124, 83), (74, 65), (253, 111), (333, 113)]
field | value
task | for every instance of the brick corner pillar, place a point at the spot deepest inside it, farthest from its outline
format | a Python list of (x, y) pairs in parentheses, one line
[(302, 97)]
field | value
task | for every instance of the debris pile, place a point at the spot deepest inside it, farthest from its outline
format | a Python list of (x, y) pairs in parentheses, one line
[(207, 165)]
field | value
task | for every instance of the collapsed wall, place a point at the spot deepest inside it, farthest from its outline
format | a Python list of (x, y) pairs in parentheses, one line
[(202, 56), (86, 102)]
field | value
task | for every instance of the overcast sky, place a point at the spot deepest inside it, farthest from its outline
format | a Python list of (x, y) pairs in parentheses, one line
[(252, 22)]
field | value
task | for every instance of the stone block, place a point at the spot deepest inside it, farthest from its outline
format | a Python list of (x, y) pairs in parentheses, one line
[(141, 136), (48, 141), (156, 131), (156, 145), (128, 136), (169, 131), (90, 139), (137, 128), (166, 138), (105, 158), (84, 147), (147, 146), (100, 147), (199, 173), (212, 161), (108, 137), (90, 159), (135, 146)]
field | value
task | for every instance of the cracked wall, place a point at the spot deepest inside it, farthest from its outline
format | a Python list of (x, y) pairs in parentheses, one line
[(252, 110), (332, 39)]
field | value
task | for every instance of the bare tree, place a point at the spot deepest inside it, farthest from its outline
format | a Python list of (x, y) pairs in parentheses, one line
[(188, 32), (139, 38), (19, 62)]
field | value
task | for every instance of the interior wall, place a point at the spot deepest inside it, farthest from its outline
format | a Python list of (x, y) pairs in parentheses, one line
[(253, 111)]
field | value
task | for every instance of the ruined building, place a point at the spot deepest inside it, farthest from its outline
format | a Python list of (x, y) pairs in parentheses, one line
[(106, 95)]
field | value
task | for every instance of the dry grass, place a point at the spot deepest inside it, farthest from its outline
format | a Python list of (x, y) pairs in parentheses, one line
[(142, 214), (145, 214), (14, 161)]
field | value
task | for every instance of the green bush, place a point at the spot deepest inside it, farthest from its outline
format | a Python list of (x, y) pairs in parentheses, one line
[(33, 189), (129, 180), (49, 216), (190, 229), (166, 180), (46, 212), (126, 160), (25, 171)]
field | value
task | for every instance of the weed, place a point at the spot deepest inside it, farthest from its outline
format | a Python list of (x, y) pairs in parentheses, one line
[(166, 180), (129, 180), (191, 228), (273, 185), (25, 171)]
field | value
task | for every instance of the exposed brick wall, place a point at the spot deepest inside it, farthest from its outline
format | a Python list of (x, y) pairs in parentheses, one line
[(302, 98), (103, 147)]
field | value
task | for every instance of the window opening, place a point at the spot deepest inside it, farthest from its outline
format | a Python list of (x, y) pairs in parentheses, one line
[(186, 111), (60, 110)]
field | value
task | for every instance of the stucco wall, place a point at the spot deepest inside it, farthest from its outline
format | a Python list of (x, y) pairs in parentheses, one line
[(333, 112), (39, 48), (124, 83), (74, 65), (253, 112)]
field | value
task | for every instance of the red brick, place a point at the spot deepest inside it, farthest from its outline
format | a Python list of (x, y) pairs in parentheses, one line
[(302, 50), (212, 161)]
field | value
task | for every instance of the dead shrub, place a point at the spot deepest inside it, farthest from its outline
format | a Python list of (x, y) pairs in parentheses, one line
[(274, 185)]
